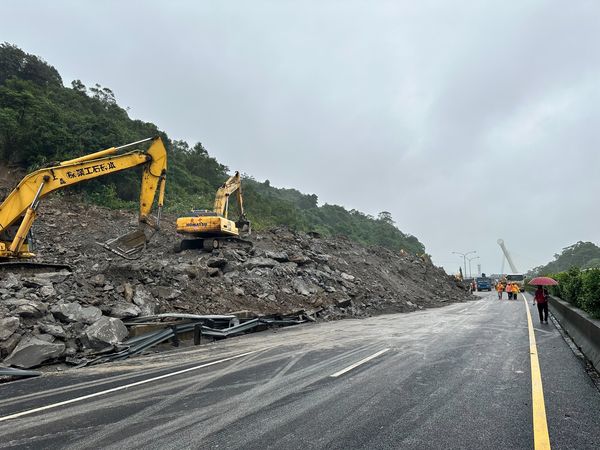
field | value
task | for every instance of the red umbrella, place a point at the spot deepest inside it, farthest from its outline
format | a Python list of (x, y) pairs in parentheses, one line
[(543, 281)]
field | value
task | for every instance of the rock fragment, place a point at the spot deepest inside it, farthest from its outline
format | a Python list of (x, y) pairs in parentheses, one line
[(124, 310), (259, 261), (8, 326), (145, 301), (33, 351), (53, 329), (74, 312), (216, 261), (105, 332)]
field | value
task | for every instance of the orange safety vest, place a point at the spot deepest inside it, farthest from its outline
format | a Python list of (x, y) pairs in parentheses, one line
[(515, 288)]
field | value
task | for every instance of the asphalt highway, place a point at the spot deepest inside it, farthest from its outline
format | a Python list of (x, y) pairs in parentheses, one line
[(457, 377)]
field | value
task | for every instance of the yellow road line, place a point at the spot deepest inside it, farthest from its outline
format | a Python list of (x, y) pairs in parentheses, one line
[(541, 439)]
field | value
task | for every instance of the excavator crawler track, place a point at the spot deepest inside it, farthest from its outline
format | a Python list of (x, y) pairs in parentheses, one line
[(32, 267), (210, 244)]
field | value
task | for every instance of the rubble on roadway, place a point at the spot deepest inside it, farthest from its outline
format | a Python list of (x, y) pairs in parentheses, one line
[(62, 316)]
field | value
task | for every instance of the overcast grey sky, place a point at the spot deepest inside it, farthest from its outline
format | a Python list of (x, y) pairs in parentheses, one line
[(467, 120)]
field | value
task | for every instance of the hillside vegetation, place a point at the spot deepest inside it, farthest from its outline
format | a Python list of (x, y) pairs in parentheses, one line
[(577, 270), (581, 255), (42, 121)]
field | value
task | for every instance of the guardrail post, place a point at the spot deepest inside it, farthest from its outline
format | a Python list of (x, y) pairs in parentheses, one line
[(198, 334), (175, 340)]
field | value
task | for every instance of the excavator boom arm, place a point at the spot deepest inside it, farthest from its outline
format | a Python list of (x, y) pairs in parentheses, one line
[(232, 185), (23, 200)]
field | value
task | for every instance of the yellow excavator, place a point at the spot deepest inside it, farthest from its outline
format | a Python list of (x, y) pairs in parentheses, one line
[(210, 230), (19, 210)]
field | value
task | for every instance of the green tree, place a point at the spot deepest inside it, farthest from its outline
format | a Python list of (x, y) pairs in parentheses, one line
[(42, 121)]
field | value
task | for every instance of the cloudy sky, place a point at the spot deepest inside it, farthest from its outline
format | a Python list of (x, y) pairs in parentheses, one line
[(467, 120)]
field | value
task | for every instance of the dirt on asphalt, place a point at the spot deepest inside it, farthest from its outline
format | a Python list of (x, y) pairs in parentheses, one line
[(65, 315)]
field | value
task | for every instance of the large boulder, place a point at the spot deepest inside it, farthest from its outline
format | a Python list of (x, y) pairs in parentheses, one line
[(105, 332), (8, 326), (74, 312), (32, 351)]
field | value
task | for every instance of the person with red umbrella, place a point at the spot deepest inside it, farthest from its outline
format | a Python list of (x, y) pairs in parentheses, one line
[(541, 295)]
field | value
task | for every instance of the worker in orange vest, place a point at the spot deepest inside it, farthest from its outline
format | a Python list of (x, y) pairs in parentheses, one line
[(500, 289), (509, 290), (515, 290)]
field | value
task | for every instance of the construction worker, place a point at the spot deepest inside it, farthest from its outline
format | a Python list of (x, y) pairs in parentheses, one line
[(500, 289), (515, 290), (509, 291)]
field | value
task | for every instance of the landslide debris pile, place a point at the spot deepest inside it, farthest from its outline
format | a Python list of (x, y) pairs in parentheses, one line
[(63, 316)]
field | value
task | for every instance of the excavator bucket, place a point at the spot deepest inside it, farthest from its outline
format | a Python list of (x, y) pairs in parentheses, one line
[(244, 226), (128, 246)]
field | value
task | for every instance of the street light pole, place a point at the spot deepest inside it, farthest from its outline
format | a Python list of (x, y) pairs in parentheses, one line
[(464, 255), (471, 259)]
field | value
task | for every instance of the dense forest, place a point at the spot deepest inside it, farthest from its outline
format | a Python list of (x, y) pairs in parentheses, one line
[(42, 121), (581, 255)]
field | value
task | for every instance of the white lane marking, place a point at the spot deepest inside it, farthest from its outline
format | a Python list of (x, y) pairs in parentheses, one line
[(120, 388), (358, 363)]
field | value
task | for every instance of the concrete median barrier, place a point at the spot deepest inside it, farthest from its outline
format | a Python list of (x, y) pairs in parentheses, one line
[(583, 329)]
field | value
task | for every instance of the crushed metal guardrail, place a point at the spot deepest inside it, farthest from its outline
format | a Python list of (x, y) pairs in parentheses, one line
[(138, 344), (12, 372)]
